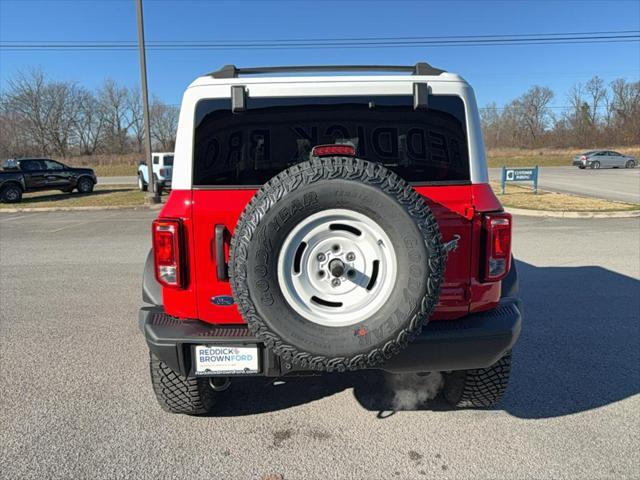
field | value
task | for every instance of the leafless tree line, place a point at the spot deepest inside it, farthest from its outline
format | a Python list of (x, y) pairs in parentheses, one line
[(596, 115), (43, 117)]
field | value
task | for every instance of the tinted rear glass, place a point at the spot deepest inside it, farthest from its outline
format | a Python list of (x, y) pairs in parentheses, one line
[(168, 160), (274, 133)]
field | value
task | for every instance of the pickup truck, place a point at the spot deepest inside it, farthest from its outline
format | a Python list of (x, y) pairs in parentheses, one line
[(162, 167), (23, 175)]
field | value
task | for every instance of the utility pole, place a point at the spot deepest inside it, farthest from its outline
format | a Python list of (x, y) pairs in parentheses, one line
[(153, 195)]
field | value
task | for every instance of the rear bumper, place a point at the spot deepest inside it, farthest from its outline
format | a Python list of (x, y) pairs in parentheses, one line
[(475, 341)]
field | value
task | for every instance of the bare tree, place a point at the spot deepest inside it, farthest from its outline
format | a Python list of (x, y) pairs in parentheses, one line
[(626, 109), (89, 123), (578, 117), (45, 109), (64, 106), (25, 99), (113, 100), (14, 141), (134, 103), (608, 111), (512, 126), (534, 111), (491, 125), (164, 123), (598, 93)]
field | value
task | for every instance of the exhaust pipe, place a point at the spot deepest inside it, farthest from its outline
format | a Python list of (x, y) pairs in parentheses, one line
[(219, 384)]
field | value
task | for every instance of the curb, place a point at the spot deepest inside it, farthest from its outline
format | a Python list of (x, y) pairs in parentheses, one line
[(552, 214), (80, 209)]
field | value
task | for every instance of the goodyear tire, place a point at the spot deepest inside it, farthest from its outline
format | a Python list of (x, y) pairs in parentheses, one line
[(177, 394), (482, 387), (336, 264)]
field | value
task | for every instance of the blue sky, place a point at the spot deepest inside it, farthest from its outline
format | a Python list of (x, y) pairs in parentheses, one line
[(497, 73)]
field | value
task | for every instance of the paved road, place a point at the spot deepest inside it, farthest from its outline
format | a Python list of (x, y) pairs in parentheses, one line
[(616, 184), (129, 180), (76, 401), (612, 184)]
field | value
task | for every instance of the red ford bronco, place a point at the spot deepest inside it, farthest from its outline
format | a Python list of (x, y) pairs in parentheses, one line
[(329, 224)]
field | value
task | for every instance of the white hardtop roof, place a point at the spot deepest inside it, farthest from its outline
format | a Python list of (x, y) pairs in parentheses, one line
[(241, 83), (208, 80), (297, 74)]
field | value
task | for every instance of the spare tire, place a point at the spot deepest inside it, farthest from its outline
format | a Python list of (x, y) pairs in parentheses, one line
[(336, 264)]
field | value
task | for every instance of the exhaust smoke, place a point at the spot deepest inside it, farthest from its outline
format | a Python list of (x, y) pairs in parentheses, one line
[(412, 390)]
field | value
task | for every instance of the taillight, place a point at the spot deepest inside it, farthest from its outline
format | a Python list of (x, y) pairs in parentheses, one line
[(497, 241), (583, 157), (332, 150), (167, 252)]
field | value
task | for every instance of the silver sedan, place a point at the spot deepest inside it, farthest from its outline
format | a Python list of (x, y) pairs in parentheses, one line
[(604, 159)]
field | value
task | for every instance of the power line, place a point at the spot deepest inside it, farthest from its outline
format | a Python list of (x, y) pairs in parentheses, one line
[(385, 42), (346, 39)]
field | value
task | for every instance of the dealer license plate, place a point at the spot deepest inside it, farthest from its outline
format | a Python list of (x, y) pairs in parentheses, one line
[(226, 360)]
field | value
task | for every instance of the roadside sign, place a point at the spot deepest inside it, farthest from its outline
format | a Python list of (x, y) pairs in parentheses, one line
[(520, 175)]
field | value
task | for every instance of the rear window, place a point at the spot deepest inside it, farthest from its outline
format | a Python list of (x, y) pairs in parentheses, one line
[(248, 148), (168, 160)]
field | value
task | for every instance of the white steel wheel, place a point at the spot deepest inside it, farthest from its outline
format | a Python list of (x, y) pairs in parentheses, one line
[(337, 268)]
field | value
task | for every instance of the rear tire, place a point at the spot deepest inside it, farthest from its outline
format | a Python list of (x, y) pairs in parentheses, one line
[(595, 165), (85, 185), (630, 164), (11, 194), (482, 387), (177, 394), (142, 184)]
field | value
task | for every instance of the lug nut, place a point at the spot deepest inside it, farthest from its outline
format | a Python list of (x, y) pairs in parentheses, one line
[(335, 282), (351, 256), (321, 257)]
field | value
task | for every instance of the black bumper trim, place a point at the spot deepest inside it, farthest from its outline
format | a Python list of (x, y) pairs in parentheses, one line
[(476, 341)]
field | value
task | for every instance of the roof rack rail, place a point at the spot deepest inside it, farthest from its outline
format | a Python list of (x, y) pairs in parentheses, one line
[(421, 68)]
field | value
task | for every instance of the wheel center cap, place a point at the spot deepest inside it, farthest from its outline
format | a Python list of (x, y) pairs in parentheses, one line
[(336, 267)]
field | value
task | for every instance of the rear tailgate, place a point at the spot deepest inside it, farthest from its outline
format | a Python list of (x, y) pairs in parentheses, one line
[(223, 207), (235, 153)]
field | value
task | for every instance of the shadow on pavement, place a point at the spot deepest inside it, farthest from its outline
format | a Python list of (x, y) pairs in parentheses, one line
[(37, 197), (579, 350), (580, 345)]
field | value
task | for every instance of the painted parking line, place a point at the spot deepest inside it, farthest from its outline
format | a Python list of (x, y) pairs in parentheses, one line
[(78, 224), (5, 220)]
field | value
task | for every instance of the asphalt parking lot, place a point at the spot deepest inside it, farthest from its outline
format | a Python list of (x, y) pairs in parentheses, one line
[(618, 184), (76, 400)]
